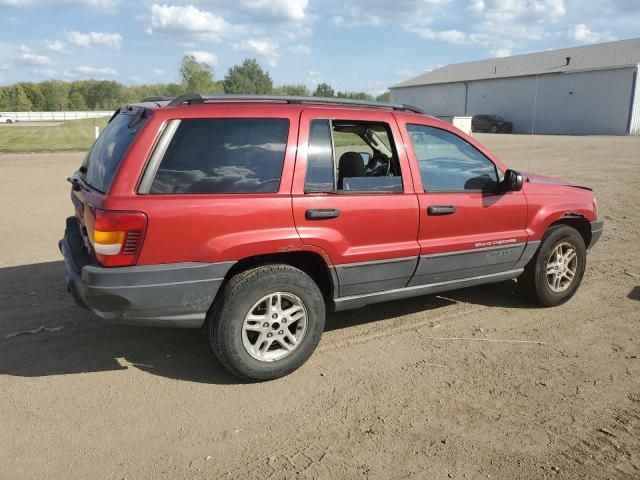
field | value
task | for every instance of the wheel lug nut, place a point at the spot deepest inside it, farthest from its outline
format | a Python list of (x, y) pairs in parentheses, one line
[(265, 324), (274, 316), (269, 335), (280, 332), (284, 320)]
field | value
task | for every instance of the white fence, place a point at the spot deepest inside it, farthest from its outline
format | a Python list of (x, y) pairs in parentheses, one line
[(55, 116)]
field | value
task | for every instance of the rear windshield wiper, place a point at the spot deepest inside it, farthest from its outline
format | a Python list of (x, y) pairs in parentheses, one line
[(77, 185)]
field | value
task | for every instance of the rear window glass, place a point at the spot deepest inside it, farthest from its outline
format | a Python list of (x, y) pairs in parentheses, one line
[(224, 155), (104, 157)]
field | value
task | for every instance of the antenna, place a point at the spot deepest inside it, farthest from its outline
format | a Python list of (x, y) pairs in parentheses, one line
[(533, 120), (535, 101)]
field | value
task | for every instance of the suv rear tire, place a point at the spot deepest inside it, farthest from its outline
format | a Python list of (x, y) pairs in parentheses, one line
[(267, 322), (555, 272)]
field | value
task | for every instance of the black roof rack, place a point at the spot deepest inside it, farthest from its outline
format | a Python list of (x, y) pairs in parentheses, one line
[(188, 98), (194, 98), (155, 99)]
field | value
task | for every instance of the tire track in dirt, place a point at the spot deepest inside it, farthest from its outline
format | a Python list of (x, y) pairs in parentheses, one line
[(406, 324), (612, 450)]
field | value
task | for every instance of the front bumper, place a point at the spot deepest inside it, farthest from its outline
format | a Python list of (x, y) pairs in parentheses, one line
[(174, 294), (597, 227)]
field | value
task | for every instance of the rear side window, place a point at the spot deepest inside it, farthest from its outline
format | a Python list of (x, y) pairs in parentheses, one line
[(351, 156), (224, 155), (103, 159)]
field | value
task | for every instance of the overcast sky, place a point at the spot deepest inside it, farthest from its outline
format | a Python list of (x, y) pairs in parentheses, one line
[(351, 44)]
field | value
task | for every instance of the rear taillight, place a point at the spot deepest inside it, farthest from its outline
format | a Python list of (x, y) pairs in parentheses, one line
[(117, 237)]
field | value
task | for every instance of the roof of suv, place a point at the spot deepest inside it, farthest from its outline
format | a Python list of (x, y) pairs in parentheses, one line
[(196, 99)]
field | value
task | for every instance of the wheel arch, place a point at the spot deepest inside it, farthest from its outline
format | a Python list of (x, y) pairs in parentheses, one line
[(311, 263), (579, 223)]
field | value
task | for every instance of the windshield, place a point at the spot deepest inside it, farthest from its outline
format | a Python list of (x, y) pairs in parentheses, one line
[(103, 159), (496, 117)]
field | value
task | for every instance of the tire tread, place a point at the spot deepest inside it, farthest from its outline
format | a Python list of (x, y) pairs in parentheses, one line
[(531, 280), (237, 286)]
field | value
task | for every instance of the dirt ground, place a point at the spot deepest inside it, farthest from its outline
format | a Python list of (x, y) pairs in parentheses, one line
[(476, 383)]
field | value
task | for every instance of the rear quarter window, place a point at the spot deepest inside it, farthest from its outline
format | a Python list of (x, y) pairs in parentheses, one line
[(223, 155), (102, 161)]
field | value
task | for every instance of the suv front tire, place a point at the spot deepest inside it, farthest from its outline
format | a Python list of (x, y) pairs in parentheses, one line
[(554, 274), (267, 322)]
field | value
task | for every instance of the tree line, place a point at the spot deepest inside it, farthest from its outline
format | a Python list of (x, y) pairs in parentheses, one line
[(247, 78)]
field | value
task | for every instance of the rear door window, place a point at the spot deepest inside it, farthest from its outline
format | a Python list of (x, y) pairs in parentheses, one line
[(224, 155), (350, 156), (102, 161)]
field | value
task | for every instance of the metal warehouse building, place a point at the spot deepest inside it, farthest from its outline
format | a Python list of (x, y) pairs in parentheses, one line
[(589, 90)]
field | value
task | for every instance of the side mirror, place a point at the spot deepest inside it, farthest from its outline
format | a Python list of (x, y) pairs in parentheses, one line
[(512, 181)]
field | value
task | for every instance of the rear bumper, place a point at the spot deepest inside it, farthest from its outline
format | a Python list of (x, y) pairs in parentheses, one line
[(597, 228), (175, 294)]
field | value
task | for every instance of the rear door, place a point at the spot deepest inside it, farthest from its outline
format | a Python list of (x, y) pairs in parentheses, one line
[(468, 228), (364, 217)]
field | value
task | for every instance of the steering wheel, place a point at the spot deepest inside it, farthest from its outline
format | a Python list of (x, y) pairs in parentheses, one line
[(378, 166)]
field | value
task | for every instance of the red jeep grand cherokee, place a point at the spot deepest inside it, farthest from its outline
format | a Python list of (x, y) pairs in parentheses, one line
[(253, 215)]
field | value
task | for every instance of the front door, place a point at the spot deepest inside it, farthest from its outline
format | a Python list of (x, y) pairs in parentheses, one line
[(468, 228), (353, 198)]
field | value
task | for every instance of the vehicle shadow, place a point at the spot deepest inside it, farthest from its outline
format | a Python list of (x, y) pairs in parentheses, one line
[(503, 294), (634, 294), (35, 295), (32, 296), (384, 311)]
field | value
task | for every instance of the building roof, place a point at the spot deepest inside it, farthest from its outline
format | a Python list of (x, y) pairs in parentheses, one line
[(623, 53)]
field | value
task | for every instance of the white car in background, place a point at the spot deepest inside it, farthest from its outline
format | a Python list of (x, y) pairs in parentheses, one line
[(5, 119)]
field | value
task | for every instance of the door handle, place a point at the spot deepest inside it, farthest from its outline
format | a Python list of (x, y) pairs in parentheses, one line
[(321, 213), (441, 210)]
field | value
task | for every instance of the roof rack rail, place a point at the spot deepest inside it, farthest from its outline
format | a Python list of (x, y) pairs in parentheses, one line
[(194, 98), (188, 98), (155, 99)]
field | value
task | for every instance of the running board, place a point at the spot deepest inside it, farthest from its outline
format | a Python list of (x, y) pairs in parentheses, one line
[(357, 301)]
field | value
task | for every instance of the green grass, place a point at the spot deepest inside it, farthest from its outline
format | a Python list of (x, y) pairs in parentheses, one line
[(70, 135), (79, 135), (344, 139)]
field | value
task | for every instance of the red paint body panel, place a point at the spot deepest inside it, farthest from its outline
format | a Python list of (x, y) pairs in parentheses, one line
[(480, 220), (549, 202), (215, 228)]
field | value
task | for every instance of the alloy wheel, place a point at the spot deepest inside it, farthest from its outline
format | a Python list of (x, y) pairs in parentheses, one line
[(562, 266), (274, 326)]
